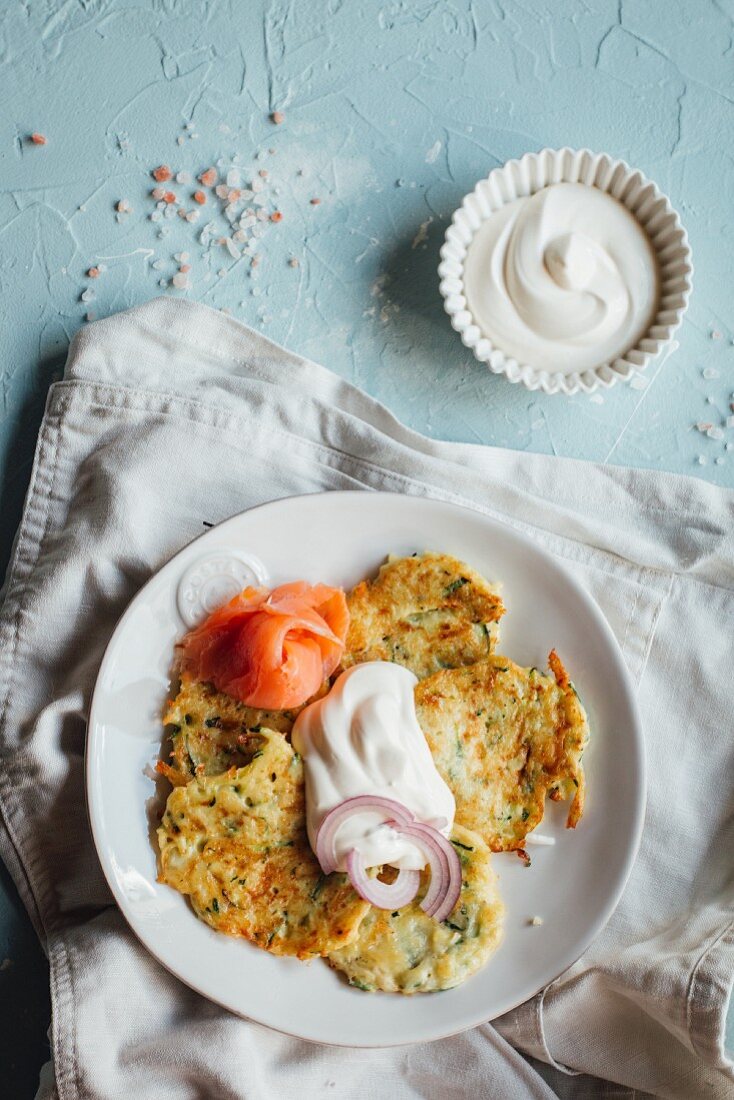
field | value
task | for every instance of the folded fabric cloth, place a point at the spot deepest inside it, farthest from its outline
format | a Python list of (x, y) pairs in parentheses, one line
[(173, 414)]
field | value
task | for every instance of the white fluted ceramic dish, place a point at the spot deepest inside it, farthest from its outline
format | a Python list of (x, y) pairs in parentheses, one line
[(531, 173), (341, 538)]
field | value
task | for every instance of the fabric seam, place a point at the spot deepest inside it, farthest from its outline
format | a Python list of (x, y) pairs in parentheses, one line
[(725, 938)]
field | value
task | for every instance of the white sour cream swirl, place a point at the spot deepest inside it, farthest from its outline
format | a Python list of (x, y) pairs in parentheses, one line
[(565, 279), (363, 738)]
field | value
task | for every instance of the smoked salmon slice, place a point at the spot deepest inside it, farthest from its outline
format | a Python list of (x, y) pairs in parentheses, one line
[(270, 649)]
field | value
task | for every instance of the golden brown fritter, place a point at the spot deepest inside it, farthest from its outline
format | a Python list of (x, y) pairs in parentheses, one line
[(503, 737), (408, 952), (211, 732), (426, 612), (236, 844)]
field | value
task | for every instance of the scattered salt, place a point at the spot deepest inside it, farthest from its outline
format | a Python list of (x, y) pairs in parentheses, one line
[(730, 421), (637, 382), (181, 280), (233, 177), (719, 461), (535, 921), (701, 460), (158, 265), (180, 139), (715, 433), (709, 372), (433, 152), (88, 295)]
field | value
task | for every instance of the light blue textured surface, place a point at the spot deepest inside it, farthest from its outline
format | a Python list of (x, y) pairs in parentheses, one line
[(392, 110)]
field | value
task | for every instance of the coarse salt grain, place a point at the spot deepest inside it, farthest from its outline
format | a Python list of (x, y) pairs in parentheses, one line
[(200, 197), (158, 193), (729, 447), (276, 216), (263, 173), (158, 265), (278, 117), (38, 139), (162, 173), (701, 460), (233, 177), (719, 461), (535, 921), (704, 426), (181, 281), (180, 139), (183, 177), (124, 207), (715, 433), (209, 177), (193, 215), (315, 202), (730, 421), (93, 273), (709, 372), (185, 268), (169, 197), (87, 295), (293, 262), (256, 186), (221, 191)]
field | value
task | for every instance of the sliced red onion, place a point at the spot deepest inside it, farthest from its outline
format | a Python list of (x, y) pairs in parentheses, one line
[(445, 885), (383, 895), (362, 803)]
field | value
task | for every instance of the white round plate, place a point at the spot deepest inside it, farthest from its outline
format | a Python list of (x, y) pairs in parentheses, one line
[(339, 538)]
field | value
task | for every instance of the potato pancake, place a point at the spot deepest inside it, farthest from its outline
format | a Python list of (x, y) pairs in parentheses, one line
[(504, 737), (408, 952), (211, 732), (236, 844), (427, 612)]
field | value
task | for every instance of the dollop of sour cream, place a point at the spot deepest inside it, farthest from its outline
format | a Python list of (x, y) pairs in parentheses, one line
[(364, 738), (565, 279)]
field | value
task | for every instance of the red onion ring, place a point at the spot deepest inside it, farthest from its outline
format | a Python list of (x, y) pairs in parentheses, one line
[(445, 885), (327, 830), (383, 895)]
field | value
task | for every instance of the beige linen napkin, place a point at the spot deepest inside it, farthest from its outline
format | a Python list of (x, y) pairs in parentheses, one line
[(173, 414)]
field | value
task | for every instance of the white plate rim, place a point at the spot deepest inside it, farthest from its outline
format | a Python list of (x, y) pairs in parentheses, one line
[(639, 776)]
